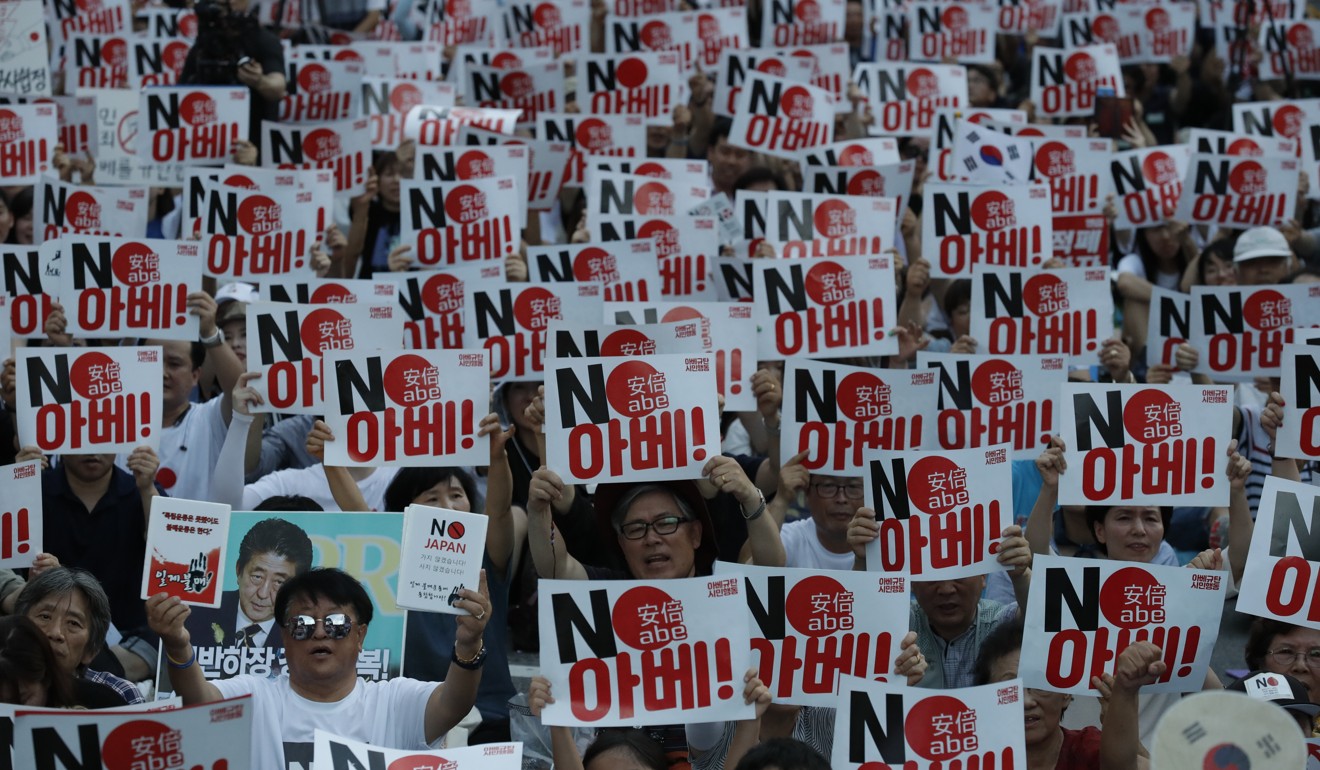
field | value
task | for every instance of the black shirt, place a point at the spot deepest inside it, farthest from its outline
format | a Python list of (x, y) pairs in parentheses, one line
[(217, 66)]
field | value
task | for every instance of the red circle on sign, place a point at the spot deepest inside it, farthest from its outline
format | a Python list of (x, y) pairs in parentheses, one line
[(772, 66), (863, 396), (867, 182), (653, 198), (663, 234), (657, 36), (922, 84), (516, 84), (443, 293), (404, 97), (114, 52), (1267, 310), (1159, 168), (954, 19), (321, 144), (635, 389), (797, 102), (993, 210), (1128, 601), (418, 762), (856, 155), (547, 16), (653, 170), (708, 27), (134, 264), (506, 60), (188, 24), (932, 727), (332, 294), (175, 54), (141, 743), (465, 204), (347, 54), (1299, 36), (326, 329), (313, 78), (638, 619), (259, 215), (198, 109), (615, 342), (829, 283), (1157, 20), (927, 495), (594, 264), (1080, 67), (1151, 416), (807, 11), (1288, 120), (535, 308), (1056, 159), (1248, 178), (681, 313), (996, 382), (594, 134), (167, 478), (631, 72), (1246, 147), (95, 375), (81, 211), (1045, 294), (819, 606), (456, 530), (239, 180), (411, 380), (834, 219)]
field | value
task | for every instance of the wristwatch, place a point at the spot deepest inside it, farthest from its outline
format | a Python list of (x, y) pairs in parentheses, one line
[(760, 509), (215, 340)]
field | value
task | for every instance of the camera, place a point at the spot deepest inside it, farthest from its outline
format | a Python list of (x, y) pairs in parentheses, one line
[(220, 42)]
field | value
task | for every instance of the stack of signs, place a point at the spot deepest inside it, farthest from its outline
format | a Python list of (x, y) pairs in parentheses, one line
[(642, 419), (335, 753), (20, 515), (940, 513), (441, 555), (1148, 445), (120, 288), (1083, 613), (631, 653), (986, 400), (837, 413), (1065, 312), (808, 628), (1078, 173), (825, 308), (394, 407), (89, 400), (186, 550), (1299, 436), (1241, 331), (888, 725), (1284, 555)]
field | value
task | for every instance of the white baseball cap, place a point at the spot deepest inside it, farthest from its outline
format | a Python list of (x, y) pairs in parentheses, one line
[(1261, 242)]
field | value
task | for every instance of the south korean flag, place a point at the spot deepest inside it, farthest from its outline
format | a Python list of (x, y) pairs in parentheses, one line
[(985, 156)]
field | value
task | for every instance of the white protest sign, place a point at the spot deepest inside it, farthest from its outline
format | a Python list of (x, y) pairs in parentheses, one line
[(1280, 579), (343, 146), (319, 91), (1078, 173), (815, 225), (26, 70), (690, 636), (1169, 325), (735, 64), (27, 136), (120, 288), (191, 124), (951, 30), (1147, 445), (433, 302), (1067, 312), (90, 400), (20, 515), (1240, 331), (970, 227), (1290, 49), (446, 164), (248, 234), (440, 555), (451, 223), (569, 340), (335, 753), (387, 100), (186, 550), (614, 135), (29, 291), (825, 308), (904, 96), (781, 117), (329, 291), (510, 320), (1148, 184), (60, 207), (629, 270), (1065, 82), (1299, 436)]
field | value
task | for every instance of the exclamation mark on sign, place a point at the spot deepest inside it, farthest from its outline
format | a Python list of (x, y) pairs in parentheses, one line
[(735, 372), (1046, 421), (1090, 332), (1035, 242), (881, 658), (180, 304), (698, 434), (1190, 643), (701, 269), (721, 381), (724, 669), (542, 183), (466, 424), (1207, 462), (17, 523), (1093, 195)]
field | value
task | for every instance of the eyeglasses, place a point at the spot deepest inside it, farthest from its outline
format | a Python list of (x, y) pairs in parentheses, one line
[(830, 489), (1286, 657), (337, 626), (665, 525)]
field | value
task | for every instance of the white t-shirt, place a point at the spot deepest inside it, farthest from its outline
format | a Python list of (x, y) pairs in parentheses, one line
[(310, 482), (1132, 264), (390, 714), (804, 550), (188, 451)]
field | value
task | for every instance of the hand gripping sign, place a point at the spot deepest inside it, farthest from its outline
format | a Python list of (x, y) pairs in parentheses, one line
[(651, 418), (940, 513), (622, 653), (89, 400), (1283, 566), (1083, 613), (1145, 445), (883, 725), (809, 628)]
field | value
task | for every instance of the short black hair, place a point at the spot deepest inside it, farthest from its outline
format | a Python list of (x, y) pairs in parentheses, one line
[(1004, 639), (759, 174), (329, 583), (958, 292), (784, 754), (289, 503), (1222, 249), (719, 130), (1261, 638), (408, 483), (280, 537), (1095, 514), (643, 748)]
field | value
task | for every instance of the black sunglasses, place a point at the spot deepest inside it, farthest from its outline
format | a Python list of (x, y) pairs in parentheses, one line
[(337, 626)]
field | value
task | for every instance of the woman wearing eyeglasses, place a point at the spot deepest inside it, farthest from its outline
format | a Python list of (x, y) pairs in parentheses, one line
[(1282, 648), (324, 614)]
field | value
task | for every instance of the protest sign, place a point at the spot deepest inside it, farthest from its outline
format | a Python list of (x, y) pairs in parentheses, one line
[(510, 321), (869, 151), (678, 171), (214, 735), (940, 512), (942, 140), (832, 68), (801, 22), (1169, 325), (441, 555), (1297, 119), (628, 270), (115, 287), (893, 181), (1148, 184), (21, 515), (1018, 17), (1077, 171), (1166, 31), (561, 25), (951, 30), (191, 124), (430, 124), (686, 247), (698, 36), (1067, 312), (1208, 141), (734, 65), (28, 291), (89, 400), (336, 753), (641, 419), (611, 194), (1238, 192), (1290, 49), (366, 545), (1064, 83), (986, 400), (781, 117), (329, 291), (26, 135), (25, 71), (904, 96), (837, 413), (825, 308), (343, 146), (1281, 566), (290, 341), (185, 547), (974, 227), (569, 340), (319, 181), (627, 653), (94, 60), (1145, 445), (648, 84), (445, 164), (1082, 613), (433, 302), (535, 89), (321, 91), (77, 121), (251, 234), (1299, 436), (1082, 240), (60, 207), (808, 629), (392, 408), (820, 225), (157, 62), (614, 135), (1240, 331), (504, 58), (882, 725), (386, 101)]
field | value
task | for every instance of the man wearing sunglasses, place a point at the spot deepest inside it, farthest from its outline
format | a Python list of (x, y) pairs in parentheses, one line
[(324, 614)]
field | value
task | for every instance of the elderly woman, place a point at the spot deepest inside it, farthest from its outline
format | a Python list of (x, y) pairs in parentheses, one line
[(1282, 648)]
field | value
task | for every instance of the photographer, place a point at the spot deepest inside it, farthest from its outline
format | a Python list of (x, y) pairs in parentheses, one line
[(233, 49)]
